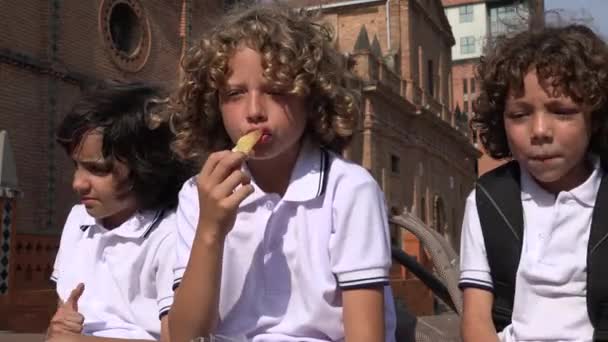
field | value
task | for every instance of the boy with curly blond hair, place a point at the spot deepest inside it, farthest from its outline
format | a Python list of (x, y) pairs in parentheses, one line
[(287, 242)]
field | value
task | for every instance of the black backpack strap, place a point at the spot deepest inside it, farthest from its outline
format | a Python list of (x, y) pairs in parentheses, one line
[(597, 258), (498, 197)]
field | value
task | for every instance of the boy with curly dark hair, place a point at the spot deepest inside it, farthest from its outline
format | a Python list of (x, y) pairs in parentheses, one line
[(533, 235)]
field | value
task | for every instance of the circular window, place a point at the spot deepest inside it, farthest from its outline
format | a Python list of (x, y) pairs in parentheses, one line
[(126, 33), (125, 29)]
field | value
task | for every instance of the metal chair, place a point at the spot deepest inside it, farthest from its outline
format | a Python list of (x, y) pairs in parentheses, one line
[(438, 328)]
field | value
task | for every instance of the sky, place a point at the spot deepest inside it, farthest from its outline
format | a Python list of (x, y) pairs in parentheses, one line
[(592, 12)]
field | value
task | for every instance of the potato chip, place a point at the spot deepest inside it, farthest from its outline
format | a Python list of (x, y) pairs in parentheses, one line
[(247, 142)]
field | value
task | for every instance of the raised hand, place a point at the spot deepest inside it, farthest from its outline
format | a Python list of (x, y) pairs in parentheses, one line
[(67, 319), (219, 197)]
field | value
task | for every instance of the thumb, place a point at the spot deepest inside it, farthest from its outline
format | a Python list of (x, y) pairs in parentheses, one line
[(72, 301)]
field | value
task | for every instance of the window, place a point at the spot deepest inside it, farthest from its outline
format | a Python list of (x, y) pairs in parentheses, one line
[(430, 86), (439, 216), (506, 18), (467, 45), (466, 14), (395, 163), (125, 29), (472, 86), (465, 88)]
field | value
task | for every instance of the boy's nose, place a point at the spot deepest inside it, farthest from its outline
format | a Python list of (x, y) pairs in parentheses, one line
[(255, 110), (80, 183), (541, 128)]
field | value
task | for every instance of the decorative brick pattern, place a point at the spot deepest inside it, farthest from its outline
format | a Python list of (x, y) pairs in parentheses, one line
[(5, 245)]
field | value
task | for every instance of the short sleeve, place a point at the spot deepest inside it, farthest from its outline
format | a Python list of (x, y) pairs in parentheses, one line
[(57, 264), (187, 218), (165, 258), (474, 267), (69, 236), (360, 243)]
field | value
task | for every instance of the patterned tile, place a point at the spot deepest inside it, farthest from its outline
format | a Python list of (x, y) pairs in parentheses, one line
[(5, 246)]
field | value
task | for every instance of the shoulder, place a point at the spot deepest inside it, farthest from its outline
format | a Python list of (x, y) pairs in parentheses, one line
[(471, 213), (76, 224), (188, 190), (167, 220), (78, 218), (471, 201), (165, 227), (187, 205), (78, 213), (348, 175)]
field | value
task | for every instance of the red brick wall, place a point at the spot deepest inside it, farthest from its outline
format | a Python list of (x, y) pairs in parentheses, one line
[(24, 26), (350, 21)]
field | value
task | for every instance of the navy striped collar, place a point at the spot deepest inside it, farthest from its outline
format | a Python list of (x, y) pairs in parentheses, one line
[(140, 225), (308, 178)]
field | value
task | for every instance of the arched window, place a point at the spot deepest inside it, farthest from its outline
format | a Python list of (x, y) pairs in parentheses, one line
[(423, 209), (439, 217)]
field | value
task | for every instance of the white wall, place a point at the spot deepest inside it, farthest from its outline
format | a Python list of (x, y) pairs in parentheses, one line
[(477, 29)]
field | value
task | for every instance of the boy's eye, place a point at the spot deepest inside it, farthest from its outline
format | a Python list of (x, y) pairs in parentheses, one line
[(98, 170), (233, 93), (565, 111), (516, 115)]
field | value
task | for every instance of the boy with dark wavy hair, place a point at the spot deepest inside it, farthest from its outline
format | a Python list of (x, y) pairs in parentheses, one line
[(534, 233), (114, 266)]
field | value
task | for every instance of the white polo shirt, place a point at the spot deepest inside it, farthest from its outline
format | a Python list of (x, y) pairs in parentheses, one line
[(551, 281), (286, 260), (127, 272)]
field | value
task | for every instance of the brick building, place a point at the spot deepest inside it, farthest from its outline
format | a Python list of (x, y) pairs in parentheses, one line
[(473, 23), (49, 50), (409, 138)]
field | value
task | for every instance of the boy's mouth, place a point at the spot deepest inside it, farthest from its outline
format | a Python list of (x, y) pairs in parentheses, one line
[(265, 138), (543, 158)]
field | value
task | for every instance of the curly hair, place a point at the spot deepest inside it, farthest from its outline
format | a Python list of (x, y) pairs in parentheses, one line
[(297, 57), (125, 114), (572, 60)]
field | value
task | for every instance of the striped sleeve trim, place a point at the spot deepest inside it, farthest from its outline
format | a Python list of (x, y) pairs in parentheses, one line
[(363, 283), (475, 283), (164, 311), (176, 283), (362, 278)]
